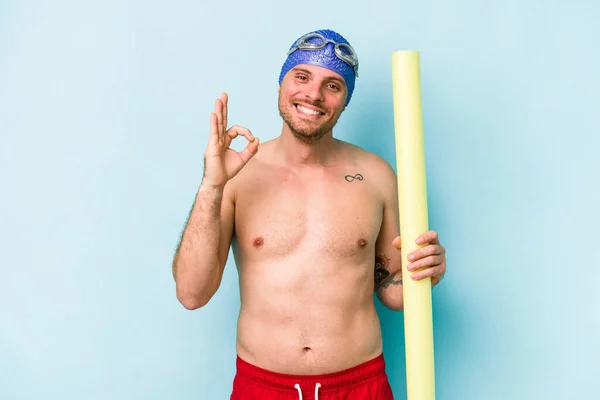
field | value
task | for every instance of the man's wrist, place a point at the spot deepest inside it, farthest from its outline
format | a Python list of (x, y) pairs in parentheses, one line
[(210, 187)]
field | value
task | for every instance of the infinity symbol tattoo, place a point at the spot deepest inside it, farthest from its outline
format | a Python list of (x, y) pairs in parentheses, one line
[(351, 178)]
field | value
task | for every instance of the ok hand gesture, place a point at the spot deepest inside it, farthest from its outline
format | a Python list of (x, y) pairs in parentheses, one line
[(220, 162)]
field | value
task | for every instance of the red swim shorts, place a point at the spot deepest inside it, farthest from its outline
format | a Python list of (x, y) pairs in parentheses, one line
[(367, 381)]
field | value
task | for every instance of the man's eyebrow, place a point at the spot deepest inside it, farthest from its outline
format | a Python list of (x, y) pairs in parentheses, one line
[(296, 69)]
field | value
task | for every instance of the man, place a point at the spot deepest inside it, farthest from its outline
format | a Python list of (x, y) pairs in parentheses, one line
[(313, 222)]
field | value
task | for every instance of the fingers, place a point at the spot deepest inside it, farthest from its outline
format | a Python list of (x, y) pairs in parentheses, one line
[(426, 251), (224, 100), (426, 262), (214, 129), (428, 237), (397, 242), (219, 113), (435, 273), (236, 131), (218, 120), (433, 247), (219, 134)]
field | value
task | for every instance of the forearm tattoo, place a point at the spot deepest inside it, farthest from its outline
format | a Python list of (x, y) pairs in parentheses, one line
[(383, 279), (381, 269), (395, 279)]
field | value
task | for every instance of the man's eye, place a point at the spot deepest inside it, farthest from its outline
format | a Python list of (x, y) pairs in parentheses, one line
[(301, 77), (334, 87)]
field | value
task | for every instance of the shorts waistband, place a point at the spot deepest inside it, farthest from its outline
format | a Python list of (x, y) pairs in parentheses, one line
[(372, 369)]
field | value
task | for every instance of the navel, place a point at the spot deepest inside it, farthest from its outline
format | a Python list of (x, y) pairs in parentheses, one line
[(258, 242), (362, 242)]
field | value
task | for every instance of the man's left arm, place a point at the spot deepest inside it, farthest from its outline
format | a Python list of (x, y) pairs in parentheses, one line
[(427, 261)]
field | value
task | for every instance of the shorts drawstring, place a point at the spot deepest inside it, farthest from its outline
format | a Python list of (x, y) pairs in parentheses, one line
[(317, 386), (297, 386)]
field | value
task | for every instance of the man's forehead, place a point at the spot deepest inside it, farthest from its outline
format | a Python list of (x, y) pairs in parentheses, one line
[(319, 71)]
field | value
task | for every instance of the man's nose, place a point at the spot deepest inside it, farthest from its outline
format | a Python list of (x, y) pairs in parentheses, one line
[(314, 91)]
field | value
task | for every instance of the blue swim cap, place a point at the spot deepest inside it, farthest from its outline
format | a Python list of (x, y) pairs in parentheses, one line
[(325, 57)]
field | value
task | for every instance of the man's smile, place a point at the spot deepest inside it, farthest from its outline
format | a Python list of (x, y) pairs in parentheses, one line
[(308, 111)]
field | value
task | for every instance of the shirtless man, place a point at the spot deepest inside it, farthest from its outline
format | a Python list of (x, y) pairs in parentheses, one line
[(313, 222)]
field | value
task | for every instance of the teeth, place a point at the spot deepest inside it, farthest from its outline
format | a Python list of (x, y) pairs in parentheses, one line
[(308, 110)]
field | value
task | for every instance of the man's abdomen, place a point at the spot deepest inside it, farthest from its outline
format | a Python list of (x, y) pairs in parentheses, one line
[(316, 325)]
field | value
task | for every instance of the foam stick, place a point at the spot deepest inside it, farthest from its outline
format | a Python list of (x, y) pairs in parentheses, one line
[(412, 197)]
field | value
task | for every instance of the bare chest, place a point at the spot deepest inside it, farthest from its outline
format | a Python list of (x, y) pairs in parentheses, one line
[(277, 216)]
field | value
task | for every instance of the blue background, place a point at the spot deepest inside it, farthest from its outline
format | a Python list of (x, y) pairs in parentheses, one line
[(104, 110)]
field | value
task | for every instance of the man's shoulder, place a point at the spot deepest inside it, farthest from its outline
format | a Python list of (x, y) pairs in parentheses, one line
[(371, 162)]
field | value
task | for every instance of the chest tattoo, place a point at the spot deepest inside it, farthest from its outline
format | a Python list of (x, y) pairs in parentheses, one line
[(352, 178)]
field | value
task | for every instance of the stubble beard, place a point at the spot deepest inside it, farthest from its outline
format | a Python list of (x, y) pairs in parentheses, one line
[(306, 135)]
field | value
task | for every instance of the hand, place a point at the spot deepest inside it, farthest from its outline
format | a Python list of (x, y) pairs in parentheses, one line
[(428, 261), (220, 162)]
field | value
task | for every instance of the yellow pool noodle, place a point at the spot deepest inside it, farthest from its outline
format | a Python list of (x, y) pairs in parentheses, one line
[(412, 197)]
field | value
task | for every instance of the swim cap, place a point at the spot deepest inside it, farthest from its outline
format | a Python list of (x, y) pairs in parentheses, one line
[(325, 57)]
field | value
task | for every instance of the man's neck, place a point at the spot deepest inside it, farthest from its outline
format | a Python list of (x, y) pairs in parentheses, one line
[(295, 152)]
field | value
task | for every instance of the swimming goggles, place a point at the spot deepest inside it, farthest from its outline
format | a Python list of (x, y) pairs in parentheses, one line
[(343, 51)]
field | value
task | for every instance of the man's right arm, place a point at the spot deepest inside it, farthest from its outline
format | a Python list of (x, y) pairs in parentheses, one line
[(202, 252)]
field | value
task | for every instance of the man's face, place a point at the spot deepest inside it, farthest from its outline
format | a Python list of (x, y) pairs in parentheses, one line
[(311, 99)]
